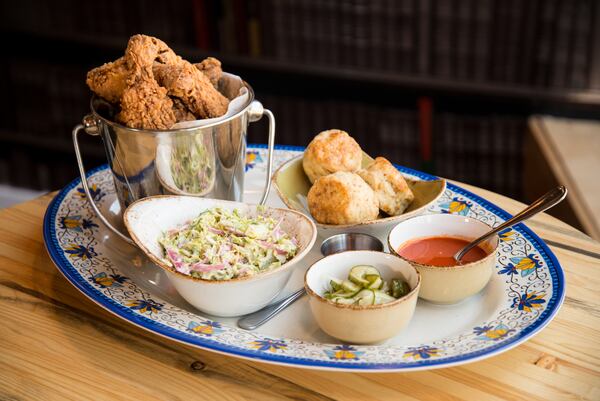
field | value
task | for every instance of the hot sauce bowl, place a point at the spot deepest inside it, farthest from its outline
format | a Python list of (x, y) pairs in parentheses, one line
[(447, 284)]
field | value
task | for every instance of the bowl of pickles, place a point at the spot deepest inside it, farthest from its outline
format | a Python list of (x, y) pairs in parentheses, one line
[(362, 297)]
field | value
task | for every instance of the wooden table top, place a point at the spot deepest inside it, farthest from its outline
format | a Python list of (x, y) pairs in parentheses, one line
[(572, 149), (57, 344)]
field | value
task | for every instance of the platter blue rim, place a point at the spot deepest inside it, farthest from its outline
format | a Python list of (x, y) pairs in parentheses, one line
[(70, 273)]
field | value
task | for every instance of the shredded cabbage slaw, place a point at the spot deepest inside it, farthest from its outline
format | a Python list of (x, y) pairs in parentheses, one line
[(220, 245), (191, 166)]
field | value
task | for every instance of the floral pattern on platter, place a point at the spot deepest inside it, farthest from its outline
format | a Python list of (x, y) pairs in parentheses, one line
[(252, 158), (144, 305), (268, 344), (529, 301), (344, 353), (95, 191), (106, 281), (523, 267), (456, 206), (76, 223), (507, 235), (492, 333), (423, 352), (526, 264), (206, 328), (80, 251)]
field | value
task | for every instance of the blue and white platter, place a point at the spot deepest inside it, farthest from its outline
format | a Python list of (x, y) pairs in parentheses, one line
[(525, 293)]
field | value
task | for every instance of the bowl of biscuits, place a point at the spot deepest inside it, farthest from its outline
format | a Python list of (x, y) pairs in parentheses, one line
[(344, 189)]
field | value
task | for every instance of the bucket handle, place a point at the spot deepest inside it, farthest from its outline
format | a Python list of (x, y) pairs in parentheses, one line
[(255, 113), (91, 127)]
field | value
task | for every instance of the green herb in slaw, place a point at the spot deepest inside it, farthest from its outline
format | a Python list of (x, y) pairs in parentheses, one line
[(220, 245)]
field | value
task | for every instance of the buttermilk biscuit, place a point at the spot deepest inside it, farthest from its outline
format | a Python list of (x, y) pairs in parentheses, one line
[(390, 188), (342, 198), (331, 151)]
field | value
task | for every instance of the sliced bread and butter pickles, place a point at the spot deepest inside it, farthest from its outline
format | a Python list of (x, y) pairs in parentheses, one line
[(364, 287)]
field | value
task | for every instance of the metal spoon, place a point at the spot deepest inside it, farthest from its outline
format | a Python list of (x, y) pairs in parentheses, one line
[(262, 316), (544, 203), (334, 244)]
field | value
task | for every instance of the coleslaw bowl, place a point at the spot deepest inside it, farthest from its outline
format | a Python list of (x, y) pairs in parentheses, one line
[(147, 220)]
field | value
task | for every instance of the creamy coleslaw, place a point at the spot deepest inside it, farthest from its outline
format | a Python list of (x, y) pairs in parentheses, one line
[(220, 245)]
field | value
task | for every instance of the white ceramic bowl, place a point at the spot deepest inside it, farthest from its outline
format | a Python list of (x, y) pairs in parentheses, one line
[(447, 285), (148, 218), (361, 324)]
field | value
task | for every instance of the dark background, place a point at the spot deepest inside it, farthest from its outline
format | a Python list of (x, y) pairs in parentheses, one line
[(440, 85)]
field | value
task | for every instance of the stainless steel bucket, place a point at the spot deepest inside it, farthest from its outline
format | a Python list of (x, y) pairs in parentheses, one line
[(207, 161)]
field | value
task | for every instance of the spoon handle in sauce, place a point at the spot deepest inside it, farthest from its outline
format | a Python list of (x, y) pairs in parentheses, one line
[(544, 203)]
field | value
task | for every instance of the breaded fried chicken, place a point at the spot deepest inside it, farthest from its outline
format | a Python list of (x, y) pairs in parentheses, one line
[(156, 88), (143, 51), (145, 105), (182, 113), (186, 82), (109, 80), (211, 67)]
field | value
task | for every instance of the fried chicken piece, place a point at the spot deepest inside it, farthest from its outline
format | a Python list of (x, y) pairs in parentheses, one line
[(143, 51), (145, 105), (195, 90), (182, 113), (109, 80), (157, 88), (211, 67)]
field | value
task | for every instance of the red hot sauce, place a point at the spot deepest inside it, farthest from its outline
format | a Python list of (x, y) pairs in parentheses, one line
[(439, 251)]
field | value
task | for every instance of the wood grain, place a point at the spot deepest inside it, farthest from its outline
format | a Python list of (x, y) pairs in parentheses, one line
[(571, 148), (57, 345)]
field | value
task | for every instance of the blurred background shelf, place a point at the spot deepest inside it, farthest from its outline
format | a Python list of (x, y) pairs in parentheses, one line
[(441, 85)]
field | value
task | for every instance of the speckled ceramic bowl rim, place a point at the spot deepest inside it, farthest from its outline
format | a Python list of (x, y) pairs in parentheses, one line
[(349, 226), (169, 269), (413, 292), (492, 253)]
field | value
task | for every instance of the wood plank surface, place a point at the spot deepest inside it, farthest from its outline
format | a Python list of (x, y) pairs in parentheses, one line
[(572, 150), (55, 344)]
